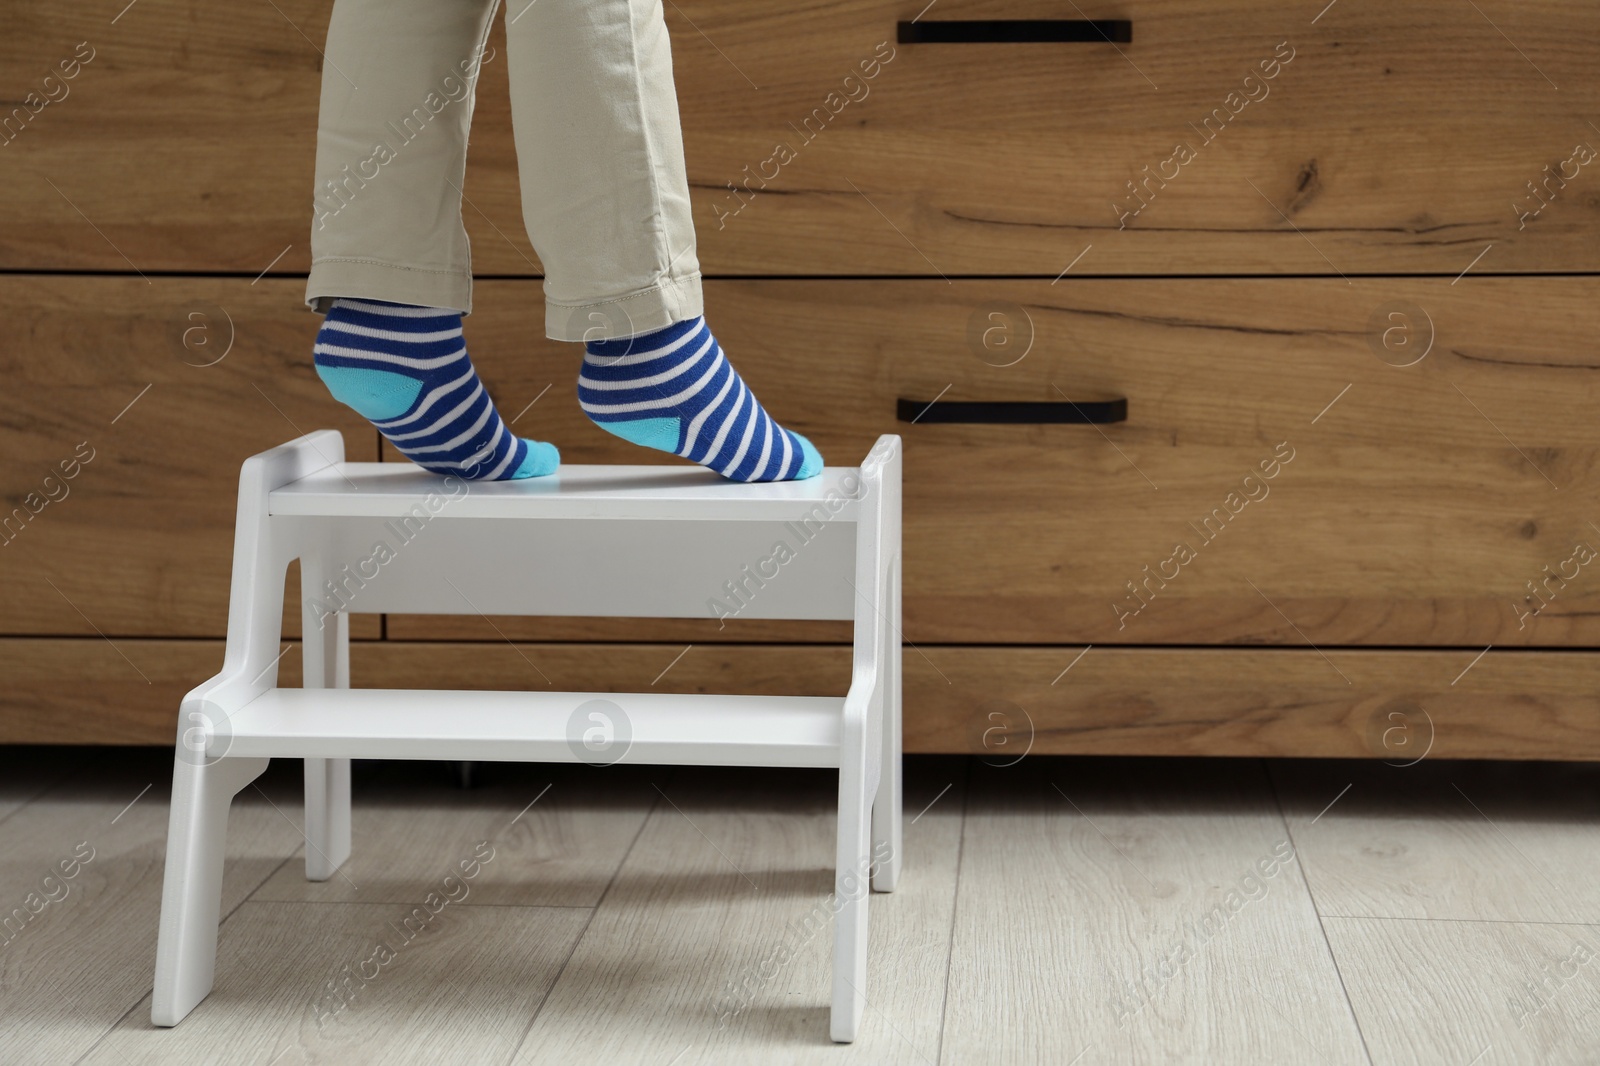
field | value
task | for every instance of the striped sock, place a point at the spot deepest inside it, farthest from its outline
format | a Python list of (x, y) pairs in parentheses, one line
[(405, 369), (673, 390)]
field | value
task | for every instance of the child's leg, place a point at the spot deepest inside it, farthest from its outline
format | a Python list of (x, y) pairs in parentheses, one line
[(390, 265), (606, 201)]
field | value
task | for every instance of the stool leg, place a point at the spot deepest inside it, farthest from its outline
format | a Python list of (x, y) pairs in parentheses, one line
[(327, 817), (325, 644), (851, 888), (191, 894), (886, 811)]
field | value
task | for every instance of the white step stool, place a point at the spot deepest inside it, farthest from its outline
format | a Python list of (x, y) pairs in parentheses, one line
[(632, 541)]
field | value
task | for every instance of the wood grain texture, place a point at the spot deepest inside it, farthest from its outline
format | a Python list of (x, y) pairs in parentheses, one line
[(1170, 701), (1009, 158), (140, 541), (461, 991), (990, 702), (85, 690), (558, 833), (82, 691), (755, 669), (1405, 517), (1396, 140), (1473, 842), (1116, 701), (1094, 916), (702, 947), (1126, 913), (1416, 510), (82, 962), (1430, 992)]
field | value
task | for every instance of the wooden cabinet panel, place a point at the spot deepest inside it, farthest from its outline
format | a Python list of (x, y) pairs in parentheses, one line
[(1389, 138), (1419, 503), (1431, 441), (85, 690), (1395, 140), (995, 703), (165, 386), (1398, 706)]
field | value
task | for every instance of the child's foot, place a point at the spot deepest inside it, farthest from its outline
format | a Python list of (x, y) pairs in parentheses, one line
[(405, 369), (674, 391)]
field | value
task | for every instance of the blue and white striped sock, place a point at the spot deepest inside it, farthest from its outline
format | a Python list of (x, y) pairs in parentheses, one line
[(673, 390), (405, 369)]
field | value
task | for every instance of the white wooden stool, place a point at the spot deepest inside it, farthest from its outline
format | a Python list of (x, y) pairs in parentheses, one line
[(628, 541)]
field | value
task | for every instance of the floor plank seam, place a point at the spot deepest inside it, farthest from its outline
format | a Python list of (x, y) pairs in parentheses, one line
[(111, 1029), (1461, 921), (578, 940), (249, 897), (955, 906), (144, 997), (1311, 896)]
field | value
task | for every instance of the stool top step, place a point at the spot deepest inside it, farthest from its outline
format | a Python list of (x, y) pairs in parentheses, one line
[(383, 490)]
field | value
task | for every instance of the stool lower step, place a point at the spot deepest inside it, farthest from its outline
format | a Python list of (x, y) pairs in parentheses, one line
[(651, 728)]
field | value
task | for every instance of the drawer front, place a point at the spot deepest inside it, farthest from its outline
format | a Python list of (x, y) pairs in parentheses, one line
[(1396, 137), (1399, 138), (1398, 706), (1442, 503), (128, 409), (996, 703), (1322, 492)]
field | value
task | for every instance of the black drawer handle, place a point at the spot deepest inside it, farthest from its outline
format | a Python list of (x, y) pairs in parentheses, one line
[(1013, 413), (1017, 31)]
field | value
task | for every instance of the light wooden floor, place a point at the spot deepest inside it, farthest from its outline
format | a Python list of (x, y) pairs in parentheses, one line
[(1058, 911)]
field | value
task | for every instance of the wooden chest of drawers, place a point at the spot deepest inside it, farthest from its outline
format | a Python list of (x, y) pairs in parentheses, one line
[(1339, 265), (1398, 139)]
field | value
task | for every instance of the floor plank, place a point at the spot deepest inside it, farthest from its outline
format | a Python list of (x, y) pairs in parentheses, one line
[(409, 827), (1480, 993), (1079, 910), (1116, 911), (461, 991), (681, 962), (1489, 841), (77, 966)]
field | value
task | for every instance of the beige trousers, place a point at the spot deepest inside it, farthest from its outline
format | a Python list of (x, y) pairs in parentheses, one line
[(599, 156)]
